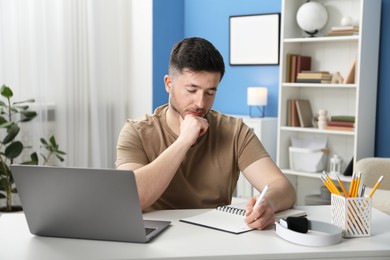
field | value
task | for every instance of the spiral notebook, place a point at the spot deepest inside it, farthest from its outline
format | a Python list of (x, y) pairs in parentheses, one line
[(231, 219)]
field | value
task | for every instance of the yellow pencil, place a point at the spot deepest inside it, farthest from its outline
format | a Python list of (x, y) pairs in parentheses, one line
[(357, 184), (359, 176), (346, 194), (326, 183), (352, 185), (334, 188), (376, 186)]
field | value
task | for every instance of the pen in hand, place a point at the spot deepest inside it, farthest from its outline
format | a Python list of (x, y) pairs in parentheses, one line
[(261, 197), (258, 201)]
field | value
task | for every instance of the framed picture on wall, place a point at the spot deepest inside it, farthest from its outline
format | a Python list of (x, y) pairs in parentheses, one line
[(254, 39)]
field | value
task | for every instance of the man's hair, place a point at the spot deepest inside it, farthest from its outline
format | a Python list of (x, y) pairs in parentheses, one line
[(195, 54)]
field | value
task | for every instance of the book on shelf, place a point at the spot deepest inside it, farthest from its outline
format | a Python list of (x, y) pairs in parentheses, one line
[(346, 28), (292, 114), (339, 128), (322, 81), (341, 123), (316, 72), (345, 118), (288, 66), (230, 218), (305, 113), (314, 75), (342, 33), (303, 63), (293, 68), (289, 113)]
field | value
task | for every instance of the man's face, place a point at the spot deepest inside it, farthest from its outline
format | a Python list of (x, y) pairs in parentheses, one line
[(192, 92)]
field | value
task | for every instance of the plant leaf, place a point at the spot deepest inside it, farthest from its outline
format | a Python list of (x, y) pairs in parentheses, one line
[(60, 152), (60, 158), (6, 91), (34, 157), (23, 107), (53, 141), (43, 141), (31, 100), (13, 131), (27, 115), (2, 120), (6, 124), (14, 150), (4, 170)]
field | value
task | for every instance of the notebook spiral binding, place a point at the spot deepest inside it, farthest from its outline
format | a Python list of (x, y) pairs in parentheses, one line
[(232, 210)]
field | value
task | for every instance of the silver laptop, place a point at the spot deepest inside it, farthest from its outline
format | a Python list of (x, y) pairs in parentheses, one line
[(84, 203)]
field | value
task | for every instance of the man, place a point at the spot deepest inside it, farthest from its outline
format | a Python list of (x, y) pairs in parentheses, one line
[(186, 155)]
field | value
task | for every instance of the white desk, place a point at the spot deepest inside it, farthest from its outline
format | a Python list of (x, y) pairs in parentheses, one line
[(186, 241)]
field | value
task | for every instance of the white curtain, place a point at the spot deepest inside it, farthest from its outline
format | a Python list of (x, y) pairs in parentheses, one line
[(82, 60)]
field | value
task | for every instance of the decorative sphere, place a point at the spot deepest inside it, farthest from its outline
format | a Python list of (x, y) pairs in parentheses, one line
[(312, 17), (346, 21)]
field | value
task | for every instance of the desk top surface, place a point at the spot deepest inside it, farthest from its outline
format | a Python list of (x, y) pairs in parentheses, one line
[(186, 241)]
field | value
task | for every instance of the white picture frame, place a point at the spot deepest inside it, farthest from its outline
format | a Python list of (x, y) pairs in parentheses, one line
[(255, 39)]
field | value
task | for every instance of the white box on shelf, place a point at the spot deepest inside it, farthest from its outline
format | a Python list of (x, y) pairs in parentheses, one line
[(307, 160)]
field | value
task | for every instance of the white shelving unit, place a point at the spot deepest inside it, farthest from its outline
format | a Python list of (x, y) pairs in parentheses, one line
[(265, 129), (334, 54)]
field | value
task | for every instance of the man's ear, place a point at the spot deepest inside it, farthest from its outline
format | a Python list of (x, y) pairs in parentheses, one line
[(168, 83)]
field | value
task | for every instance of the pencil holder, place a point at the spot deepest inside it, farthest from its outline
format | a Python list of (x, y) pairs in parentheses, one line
[(353, 215)]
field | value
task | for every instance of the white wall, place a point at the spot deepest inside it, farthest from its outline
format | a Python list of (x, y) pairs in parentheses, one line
[(142, 58)]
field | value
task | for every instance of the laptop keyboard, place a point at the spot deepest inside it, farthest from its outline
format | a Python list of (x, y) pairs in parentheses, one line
[(149, 230)]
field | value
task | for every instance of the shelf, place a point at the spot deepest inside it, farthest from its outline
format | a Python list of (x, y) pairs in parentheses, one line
[(316, 130), (315, 175), (333, 54), (318, 85), (323, 39)]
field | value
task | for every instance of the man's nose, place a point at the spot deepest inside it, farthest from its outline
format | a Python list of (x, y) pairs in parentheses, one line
[(200, 100)]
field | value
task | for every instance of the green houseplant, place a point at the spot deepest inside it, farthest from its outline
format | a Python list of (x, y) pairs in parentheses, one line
[(12, 114)]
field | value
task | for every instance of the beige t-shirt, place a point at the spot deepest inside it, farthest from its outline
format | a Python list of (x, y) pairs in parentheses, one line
[(208, 174)]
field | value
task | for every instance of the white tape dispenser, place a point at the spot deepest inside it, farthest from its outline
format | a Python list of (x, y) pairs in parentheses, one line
[(301, 231)]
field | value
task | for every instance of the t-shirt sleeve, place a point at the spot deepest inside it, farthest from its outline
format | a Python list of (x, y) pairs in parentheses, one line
[(251, 148), (130, 148)]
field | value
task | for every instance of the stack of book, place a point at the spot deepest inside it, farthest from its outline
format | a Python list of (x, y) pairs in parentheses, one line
[(344, 30), (314, 77), (342, 122)]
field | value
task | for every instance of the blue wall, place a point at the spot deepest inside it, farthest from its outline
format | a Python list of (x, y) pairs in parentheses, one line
[(175, 19), (168, 28), (382, 140)]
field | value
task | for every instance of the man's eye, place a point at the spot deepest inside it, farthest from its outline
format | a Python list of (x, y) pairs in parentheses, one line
[(191, 90), (211, 93)]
